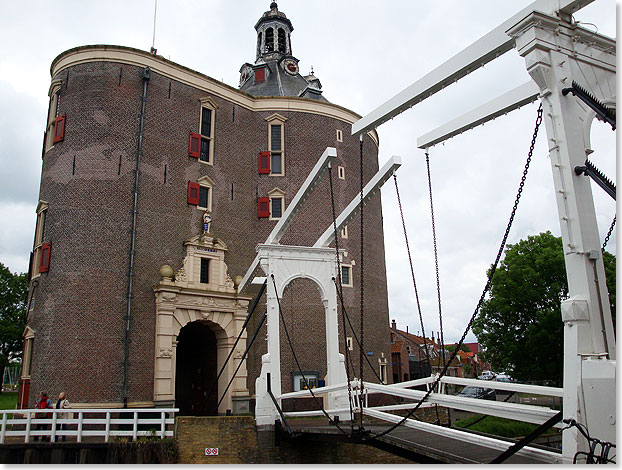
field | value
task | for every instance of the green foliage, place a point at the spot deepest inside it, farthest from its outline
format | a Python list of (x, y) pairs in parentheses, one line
[(497, 426), (13, 294), (519, 324)]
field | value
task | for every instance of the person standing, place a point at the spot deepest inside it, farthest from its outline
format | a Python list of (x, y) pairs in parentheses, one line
[(43, 403), (63, 403)]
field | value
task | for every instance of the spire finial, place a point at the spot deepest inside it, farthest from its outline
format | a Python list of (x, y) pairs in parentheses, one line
[(274, 6)]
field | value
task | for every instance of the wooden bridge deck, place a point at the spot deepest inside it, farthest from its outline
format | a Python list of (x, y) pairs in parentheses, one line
[(418, 446)]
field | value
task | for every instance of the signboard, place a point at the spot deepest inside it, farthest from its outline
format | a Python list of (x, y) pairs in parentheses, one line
[(211, 451)]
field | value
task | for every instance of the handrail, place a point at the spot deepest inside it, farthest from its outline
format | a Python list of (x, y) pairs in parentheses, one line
[(99, 422), (506, 386)]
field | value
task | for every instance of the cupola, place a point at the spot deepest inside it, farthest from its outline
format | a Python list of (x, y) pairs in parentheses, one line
[(273, 35)]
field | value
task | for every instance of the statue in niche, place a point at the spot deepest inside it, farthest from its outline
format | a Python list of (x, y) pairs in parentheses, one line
[(207, 222)]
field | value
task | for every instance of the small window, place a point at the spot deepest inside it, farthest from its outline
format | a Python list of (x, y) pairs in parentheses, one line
[(339, 135), (281, 38), (203, 197), (277, 203), (344, 232), (299, 383), (53, 126), (346, 275), (383, 373), (341, 172), (204, 270), (349, 343)]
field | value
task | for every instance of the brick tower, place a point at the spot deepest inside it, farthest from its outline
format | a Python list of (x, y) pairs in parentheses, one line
[(157, 184)]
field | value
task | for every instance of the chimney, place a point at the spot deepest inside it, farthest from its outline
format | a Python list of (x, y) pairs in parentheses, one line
[(393, 325), (406, 328)]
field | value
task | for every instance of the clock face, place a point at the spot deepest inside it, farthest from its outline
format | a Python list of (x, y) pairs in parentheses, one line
[(291, 67)]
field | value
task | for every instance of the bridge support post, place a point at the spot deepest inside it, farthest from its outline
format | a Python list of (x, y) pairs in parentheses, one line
[(283, 264), (556, 53)]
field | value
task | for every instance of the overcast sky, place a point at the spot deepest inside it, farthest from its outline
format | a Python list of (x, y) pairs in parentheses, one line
[(364, 52)]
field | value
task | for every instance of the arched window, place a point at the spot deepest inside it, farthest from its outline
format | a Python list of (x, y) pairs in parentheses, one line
[(259, 37), (269, 40), (282, 40)]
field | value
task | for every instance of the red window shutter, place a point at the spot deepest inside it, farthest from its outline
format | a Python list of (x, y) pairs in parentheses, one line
[(264, 163), (263, 207), (260, 75), (193, 193), (194, 145), (46, 249), (59, 129)]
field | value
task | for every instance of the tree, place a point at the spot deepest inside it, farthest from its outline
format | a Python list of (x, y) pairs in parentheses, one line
[(13, 294), (519, 324)]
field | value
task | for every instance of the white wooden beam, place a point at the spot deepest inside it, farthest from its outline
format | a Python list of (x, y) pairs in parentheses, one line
[(352, 209), (482, 51), (520, 96)]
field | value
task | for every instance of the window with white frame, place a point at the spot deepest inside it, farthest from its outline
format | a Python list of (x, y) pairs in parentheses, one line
[(349, 343), (382, 363), (344, 232), (52, 123), (299, 383), (35, 268), (276, 144), (277, 203), (339, 135), (206, 189), (206, 131), (346, 275), (341, 172)]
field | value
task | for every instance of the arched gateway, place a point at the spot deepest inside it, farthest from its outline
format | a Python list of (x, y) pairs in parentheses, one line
[(199, 316)]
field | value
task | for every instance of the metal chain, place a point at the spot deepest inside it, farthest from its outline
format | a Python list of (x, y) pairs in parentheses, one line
[(338, 285), (438, 281), (613, 224), (491, 273), (362, 271), (412, 272)]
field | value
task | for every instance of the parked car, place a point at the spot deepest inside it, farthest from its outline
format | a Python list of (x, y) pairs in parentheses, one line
[(487, 375), (478, 392), (504, 378)]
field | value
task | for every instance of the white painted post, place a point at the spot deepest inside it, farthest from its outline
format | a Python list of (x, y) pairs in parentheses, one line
[(135, 427), (3, 427), (162, 425), (54, 418), (28, 422), (80, 418), (556, 53), (107, 432)]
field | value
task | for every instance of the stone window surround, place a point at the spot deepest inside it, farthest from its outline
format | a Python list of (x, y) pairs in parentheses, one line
[(29, 336), (206, 182), (277, 193), (341, 173), (349, 268)]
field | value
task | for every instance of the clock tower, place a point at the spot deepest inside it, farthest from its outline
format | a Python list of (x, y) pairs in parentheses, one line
[(275, 71)]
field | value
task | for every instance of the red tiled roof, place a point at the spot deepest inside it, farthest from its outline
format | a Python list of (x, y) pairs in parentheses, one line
[(397, 346)]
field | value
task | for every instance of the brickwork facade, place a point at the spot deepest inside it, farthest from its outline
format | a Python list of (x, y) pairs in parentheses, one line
[(88, 182)]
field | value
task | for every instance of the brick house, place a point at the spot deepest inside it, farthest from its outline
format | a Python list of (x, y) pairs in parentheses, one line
[(134, 299)]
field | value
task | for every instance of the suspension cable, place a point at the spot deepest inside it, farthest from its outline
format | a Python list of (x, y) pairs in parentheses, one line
[(491, 273), (412, 273), (438, 282), (609, 232), (291, 346), (338, 285), (361, 349)]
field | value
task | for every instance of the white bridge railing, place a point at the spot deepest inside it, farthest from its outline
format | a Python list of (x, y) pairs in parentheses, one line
[(516, 411), (106, 423)]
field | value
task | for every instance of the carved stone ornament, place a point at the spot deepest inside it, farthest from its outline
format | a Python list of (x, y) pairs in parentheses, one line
[(180, 275), (165, 352), (169, 296)]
